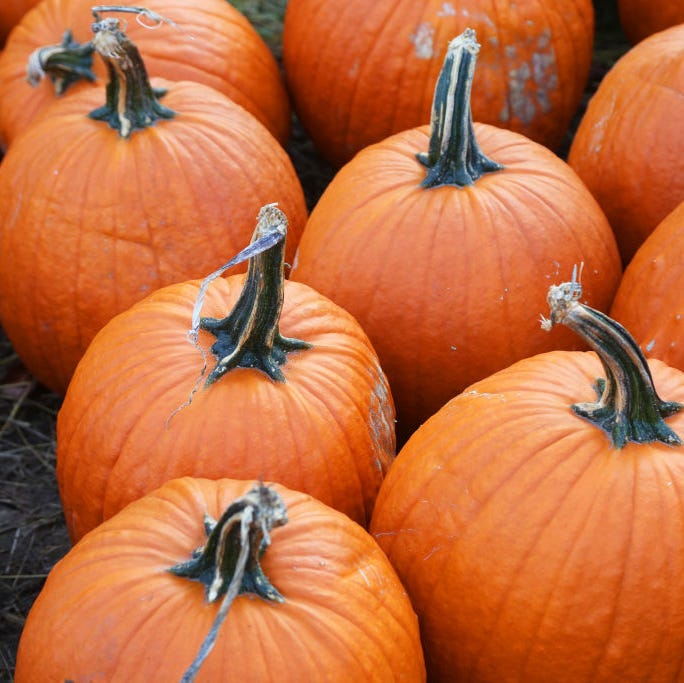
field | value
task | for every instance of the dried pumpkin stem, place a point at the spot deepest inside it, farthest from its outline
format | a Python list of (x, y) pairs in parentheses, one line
[(229, 563), (249, 337), (628, 407), (65, 64), (131, 102), (454, 156)]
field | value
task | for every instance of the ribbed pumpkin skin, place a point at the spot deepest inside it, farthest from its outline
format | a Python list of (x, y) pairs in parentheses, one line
[(642, 18), (11, 12), (213, 44), (121, 617), (447, 282), (359, 72), (328, 430), (650, 301), (91, 223), (629, 146), (532, 551)]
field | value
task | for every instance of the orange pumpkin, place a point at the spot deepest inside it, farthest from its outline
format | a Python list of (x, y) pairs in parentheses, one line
[(440, 260), (98, 213), (364, 71), (331, 603), (629, 146), (539, 532), (11, 12), (311, 409), (642, 18), (650, 300), (210, 42)]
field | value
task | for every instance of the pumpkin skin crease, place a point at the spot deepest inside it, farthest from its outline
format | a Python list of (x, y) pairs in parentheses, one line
[(345, 612), (327, 430), (532, 530)]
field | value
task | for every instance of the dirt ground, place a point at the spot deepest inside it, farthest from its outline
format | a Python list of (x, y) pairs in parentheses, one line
[(32, 532)]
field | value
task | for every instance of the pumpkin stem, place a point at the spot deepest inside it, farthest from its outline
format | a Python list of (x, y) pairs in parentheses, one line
[(229, 563), (131, 102), (65, 64), (628, 406), (249, 336), (454, 156)]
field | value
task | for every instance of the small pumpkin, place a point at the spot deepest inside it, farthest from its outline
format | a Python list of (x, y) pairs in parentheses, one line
[(629, 145), (129, 603), (437, 239), (99, 206), (642, 18), (362, 72), (208, 42), (539, 531), (650, 300), (296, 395)]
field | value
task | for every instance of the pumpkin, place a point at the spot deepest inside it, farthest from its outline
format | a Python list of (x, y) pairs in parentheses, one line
[(11, 12), (642, 18), (649, 300), (99, 210), (538, 531), (317, 597), (311, 409), (439, 257), (209, 42), (360, 73), (629, 145)]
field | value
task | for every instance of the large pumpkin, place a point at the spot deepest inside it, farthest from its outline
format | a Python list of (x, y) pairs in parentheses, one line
[(95, 214), (310, 409), (650, 298), (361, 71), (330, 607), (440, 259), (629, 146), (209, 42), (539, 532)]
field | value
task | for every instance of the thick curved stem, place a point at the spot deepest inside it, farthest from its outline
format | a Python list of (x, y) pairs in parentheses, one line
[(65, 64), (249, 337), (454, 156), (131, 103), (628, 408), (229, 563)]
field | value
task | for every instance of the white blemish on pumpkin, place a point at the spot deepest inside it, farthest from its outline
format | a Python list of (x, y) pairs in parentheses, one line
[(381, 421), (453, 347), (353, 72), (365, 578), (649, 346), (525, 102), (437, 548), (447, 10), (486, 395), (423, 40)]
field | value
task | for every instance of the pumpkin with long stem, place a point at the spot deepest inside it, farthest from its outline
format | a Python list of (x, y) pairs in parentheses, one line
[(99, 210), (208, 42), (438, 238), (537, 528), (296, 394), (223, 581)]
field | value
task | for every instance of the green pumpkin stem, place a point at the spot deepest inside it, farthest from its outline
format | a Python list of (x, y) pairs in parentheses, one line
[(628, 408), (131, 102), (249, 337), (65, 64), (454, 156), (229, 563)]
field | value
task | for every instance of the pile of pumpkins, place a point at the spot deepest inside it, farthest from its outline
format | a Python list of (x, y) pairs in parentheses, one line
[(351, 452)]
